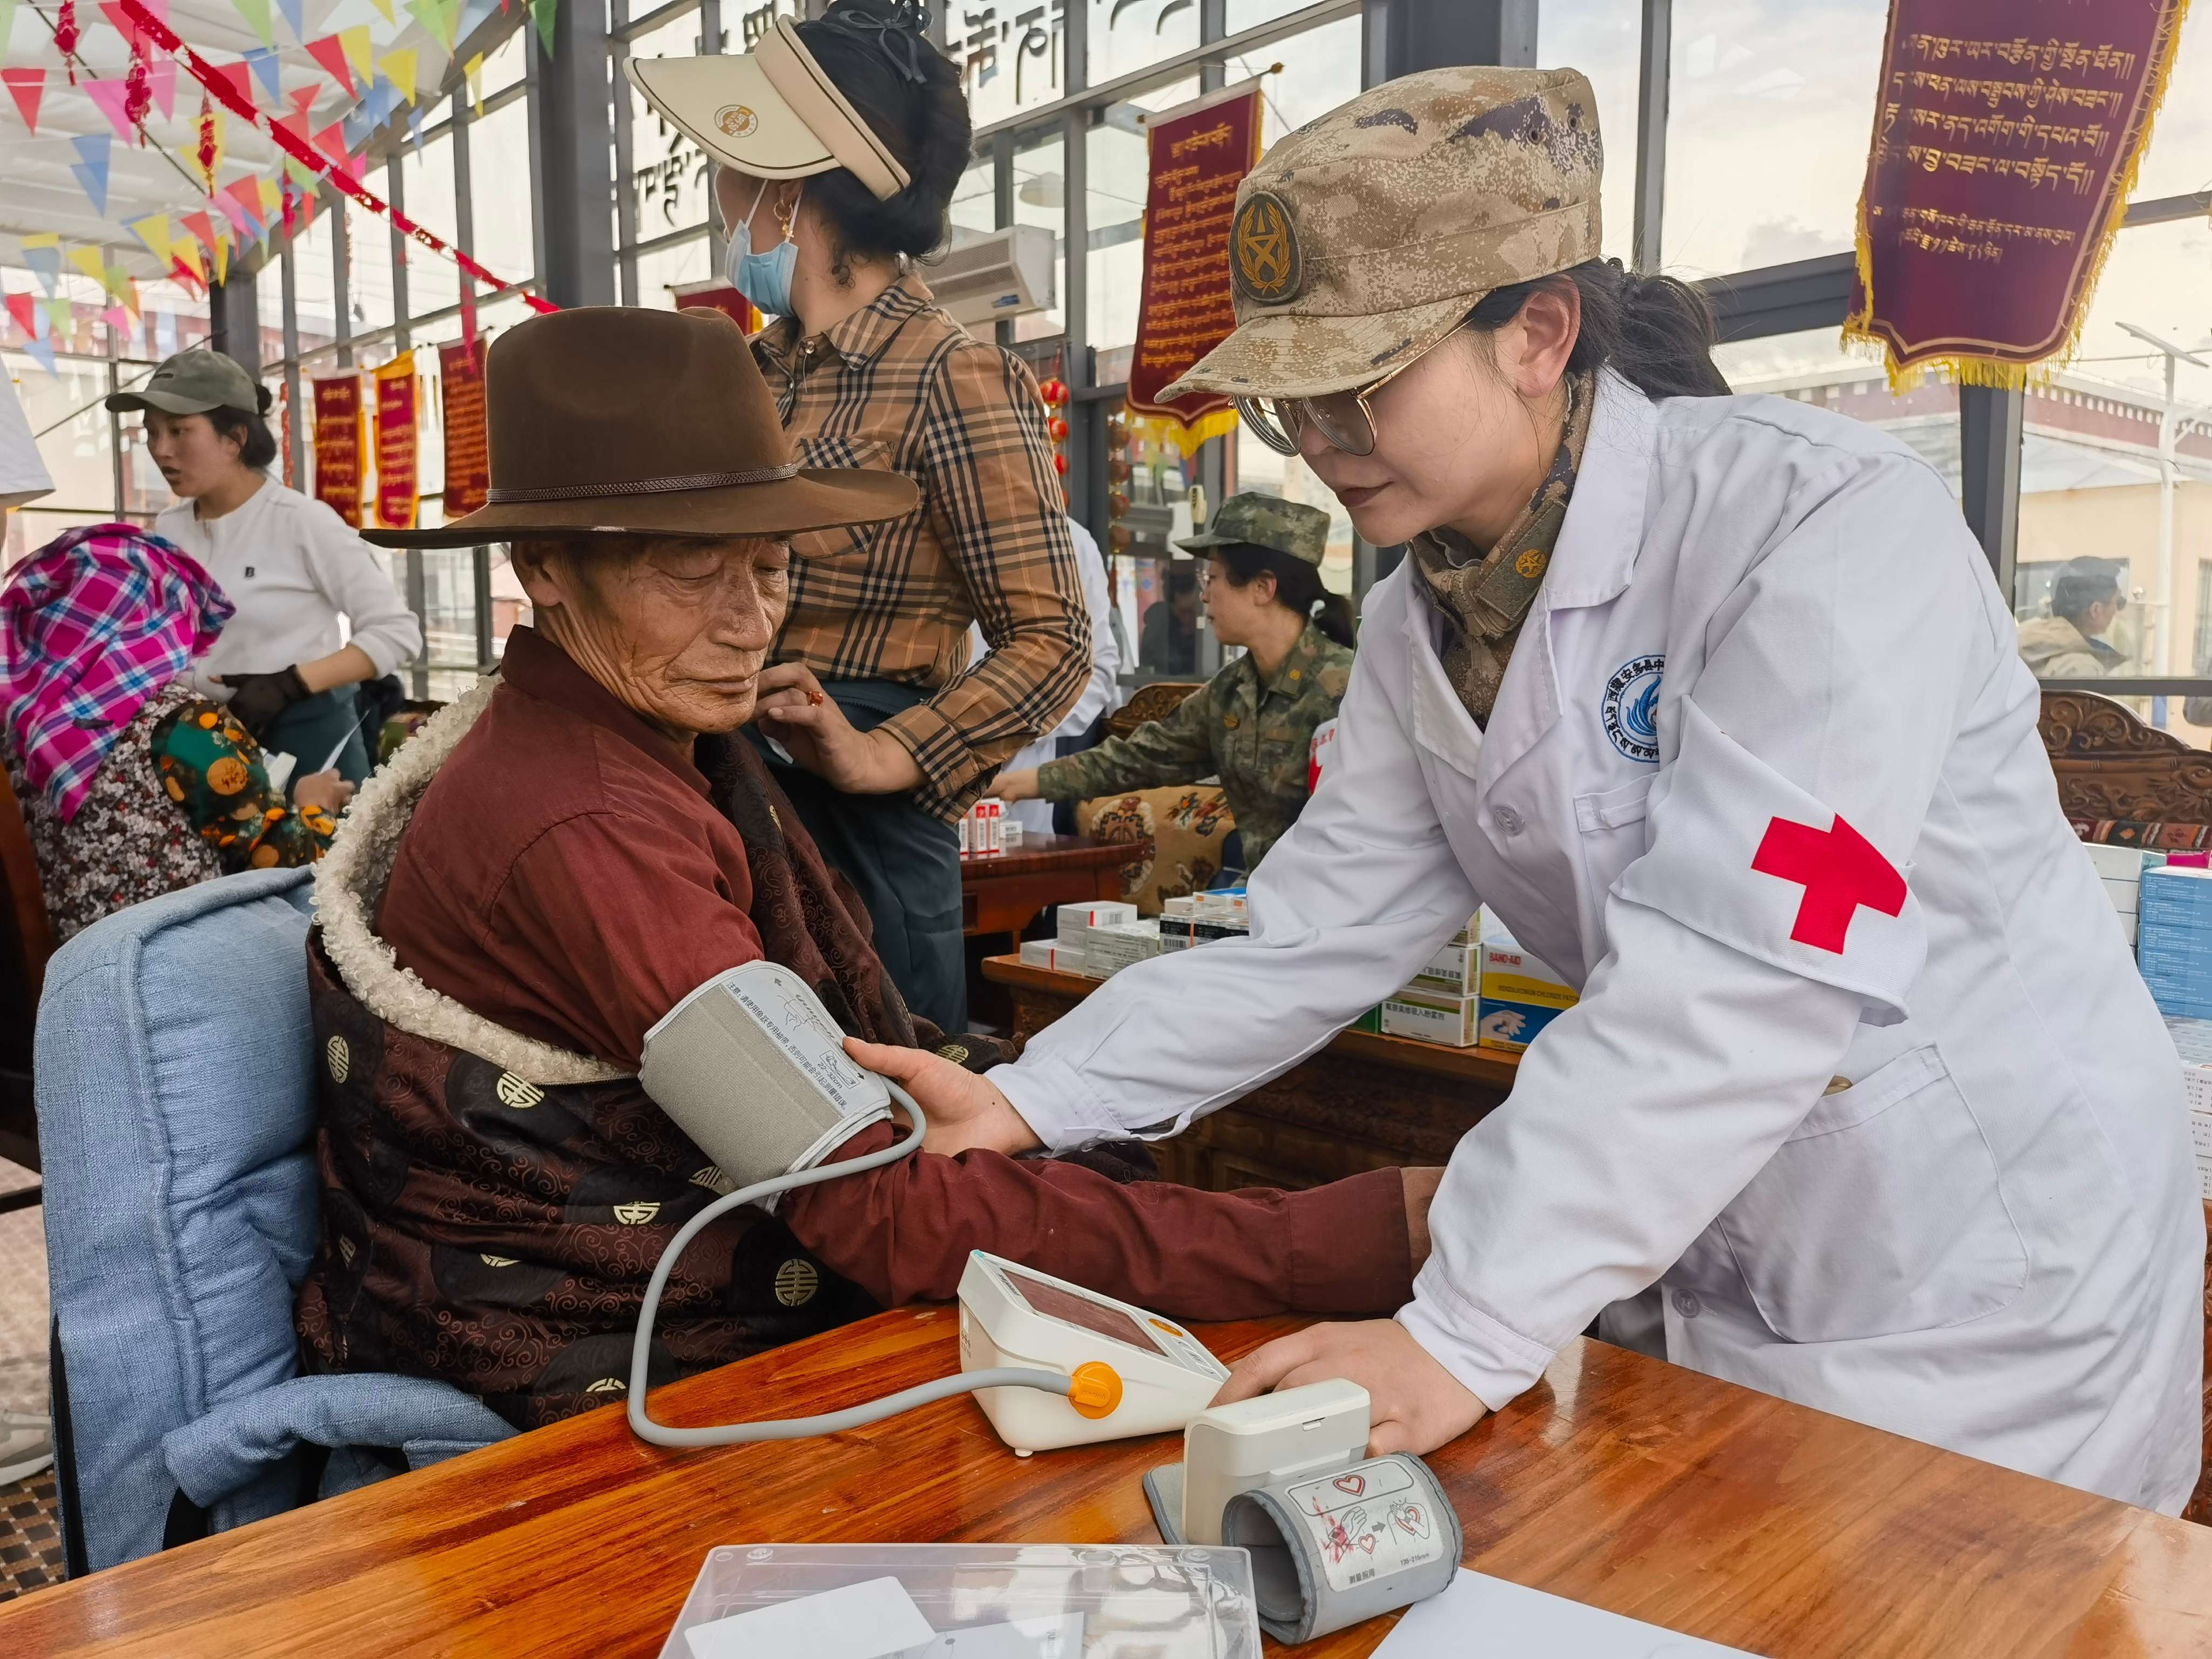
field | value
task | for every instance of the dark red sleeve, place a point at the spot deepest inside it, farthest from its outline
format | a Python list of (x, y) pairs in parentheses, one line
[(902, 1234)]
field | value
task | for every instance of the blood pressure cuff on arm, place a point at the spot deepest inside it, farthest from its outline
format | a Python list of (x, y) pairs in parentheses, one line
[(1739, 854), (750, 1066), (1330, 1550)]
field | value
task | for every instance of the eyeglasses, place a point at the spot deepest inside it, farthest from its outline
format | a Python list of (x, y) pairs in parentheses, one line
[(1344, 419)]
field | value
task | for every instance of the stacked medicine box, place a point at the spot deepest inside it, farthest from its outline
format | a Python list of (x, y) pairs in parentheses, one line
[(2193, 1038), (2173, 939), (2121, 869)]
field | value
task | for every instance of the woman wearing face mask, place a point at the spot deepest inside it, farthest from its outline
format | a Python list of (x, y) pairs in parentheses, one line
[(1252, 724), (841, 142), (295, 569), (1712, 699)]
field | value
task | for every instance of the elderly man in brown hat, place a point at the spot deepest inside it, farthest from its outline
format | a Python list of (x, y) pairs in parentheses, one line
[(564, 855)]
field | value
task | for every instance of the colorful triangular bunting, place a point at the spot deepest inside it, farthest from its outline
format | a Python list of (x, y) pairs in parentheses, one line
[(25, 310), (400, 66), (256, 14), (153, 231), (329, 51), (358, 49), (161, 81), (112, 98), (42, 254), (542, 12), (25, 87), (90, 168), (268, 68), (296, 18)]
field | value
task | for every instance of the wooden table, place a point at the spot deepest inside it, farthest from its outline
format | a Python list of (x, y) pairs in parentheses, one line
[(1001, 893), (1618, 1481), (1365, 1101)]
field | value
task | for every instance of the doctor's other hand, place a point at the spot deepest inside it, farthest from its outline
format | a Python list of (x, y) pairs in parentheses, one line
[(1415, 1404), (965, 1111), (792, 709)]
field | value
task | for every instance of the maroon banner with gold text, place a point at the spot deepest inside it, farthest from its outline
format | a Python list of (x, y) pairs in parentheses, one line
[(397, 473), (339, 419), (468, 461), (2006, 137), (1199, 155)]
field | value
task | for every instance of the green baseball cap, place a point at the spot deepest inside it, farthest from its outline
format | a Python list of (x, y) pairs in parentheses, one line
[(1289, 528), (193, 382)]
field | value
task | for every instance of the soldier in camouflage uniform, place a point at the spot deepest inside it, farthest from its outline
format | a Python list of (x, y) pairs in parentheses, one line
[(1252, 724)]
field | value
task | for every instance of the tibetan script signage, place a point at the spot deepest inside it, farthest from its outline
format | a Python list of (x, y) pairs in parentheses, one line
[(2006, 136), (395, 401), (1199, 155), (468, 462), (339, 441)]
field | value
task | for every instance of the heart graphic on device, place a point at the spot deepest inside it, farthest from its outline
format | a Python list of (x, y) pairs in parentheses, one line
[(1351, 1484)]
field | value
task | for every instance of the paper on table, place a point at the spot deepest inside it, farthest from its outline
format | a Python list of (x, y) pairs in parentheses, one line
[(1057, 1636), (1479, 1615), (867, 1621)]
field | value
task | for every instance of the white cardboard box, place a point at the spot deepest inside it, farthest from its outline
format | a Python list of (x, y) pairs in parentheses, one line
[(1073, 922), (1431, 1016)]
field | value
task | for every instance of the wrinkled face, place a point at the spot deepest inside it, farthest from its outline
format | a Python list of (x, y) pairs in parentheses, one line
[(193, 457), (677, 629)]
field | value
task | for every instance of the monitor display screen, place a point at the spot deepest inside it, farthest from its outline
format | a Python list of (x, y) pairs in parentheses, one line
[(1080, 1311)]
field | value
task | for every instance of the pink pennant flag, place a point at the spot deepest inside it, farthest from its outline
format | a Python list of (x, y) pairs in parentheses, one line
[(241, 80), (24, 309), (246, 194), (132, 35), (234, 210), (117, 318), (331, 141), (26, 87), (330, 53), (111, 96), (303, 100), (161, 79)]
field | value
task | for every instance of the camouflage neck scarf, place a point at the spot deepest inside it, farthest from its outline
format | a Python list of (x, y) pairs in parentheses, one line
[(1485, 600)]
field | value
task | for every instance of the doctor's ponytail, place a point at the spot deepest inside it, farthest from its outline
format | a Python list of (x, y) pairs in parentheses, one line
[(1656, 333)]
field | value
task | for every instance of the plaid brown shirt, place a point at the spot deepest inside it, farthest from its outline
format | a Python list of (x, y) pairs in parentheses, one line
[(899, 384)]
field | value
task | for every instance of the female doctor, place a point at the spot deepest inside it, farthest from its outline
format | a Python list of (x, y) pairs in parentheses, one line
[(1712, 700)]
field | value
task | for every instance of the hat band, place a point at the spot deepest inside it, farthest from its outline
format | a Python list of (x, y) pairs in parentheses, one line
[(751, 475)]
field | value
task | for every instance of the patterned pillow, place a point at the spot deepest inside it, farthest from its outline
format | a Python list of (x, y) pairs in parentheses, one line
[(2152, 837), (1186, 825)]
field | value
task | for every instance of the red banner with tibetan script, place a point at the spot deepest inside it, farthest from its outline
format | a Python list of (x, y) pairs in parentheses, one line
[(1199, 155), (468, 462), (340, 439), (2006, 137), (396, 455)]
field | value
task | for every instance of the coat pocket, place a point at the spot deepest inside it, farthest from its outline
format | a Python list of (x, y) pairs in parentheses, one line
[(1613, 834), (843, 540), (1882, 1213)]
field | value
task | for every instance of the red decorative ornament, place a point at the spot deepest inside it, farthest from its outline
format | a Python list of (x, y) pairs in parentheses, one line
[(1060, 462), (1058, 427), (137, 97), (1055, 392), (207, 152), (66, 35)]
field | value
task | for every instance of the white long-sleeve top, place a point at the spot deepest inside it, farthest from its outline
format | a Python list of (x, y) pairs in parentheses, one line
[(293, 569)]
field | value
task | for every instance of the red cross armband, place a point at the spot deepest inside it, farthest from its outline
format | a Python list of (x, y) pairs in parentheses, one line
[(1739, 854)]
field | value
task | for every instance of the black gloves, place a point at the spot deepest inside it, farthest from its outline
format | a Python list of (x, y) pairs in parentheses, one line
[(257, 699)]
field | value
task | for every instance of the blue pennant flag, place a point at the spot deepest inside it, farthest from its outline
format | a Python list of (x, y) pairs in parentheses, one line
[(295, 14), (415, 126), (91, 168), (42, 351), (381, 98), (47, 263), (266, 67)]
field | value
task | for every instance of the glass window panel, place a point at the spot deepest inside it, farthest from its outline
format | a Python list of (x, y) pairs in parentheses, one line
[(1321, 70), (671, 178), (1603, 38), (369, 268), (269, 304), (65, 412), (1800, 76), (658, 271), (500, 194), (315, 288), (1242, 14), (503, 65), (1009, 53), (1116, 171), (1040, 198), (1129, 34), (1259, 467), (1813, 368), (975, 207), (2179, 159), (2091, 484), (434, 281)]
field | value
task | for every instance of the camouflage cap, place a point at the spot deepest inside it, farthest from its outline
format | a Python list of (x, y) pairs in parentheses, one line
[(1289, 528), (1364, 236)]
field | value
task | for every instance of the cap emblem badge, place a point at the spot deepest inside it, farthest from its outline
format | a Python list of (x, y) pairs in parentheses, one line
[(1268, 265), (736, 120)]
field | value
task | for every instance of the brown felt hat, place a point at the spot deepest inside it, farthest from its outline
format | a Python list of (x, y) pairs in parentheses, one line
[(618, 421)]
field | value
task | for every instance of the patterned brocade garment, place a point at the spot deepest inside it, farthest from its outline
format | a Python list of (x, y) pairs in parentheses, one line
[(565, 1196)]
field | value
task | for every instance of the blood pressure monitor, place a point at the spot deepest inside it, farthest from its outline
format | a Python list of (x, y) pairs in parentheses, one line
[(1133, 1372)]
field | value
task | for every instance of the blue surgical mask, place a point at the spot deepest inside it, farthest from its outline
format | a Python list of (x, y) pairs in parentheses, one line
[(763, 278)]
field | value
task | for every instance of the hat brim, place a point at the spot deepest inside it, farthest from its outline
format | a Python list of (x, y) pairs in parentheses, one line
[(1280, 355), (124, 402), (814, 498), (692, 91)]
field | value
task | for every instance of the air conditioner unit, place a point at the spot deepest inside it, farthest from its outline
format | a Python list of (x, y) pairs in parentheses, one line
[(995, 278)]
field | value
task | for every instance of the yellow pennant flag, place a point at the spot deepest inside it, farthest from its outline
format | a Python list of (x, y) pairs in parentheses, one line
[(222, 258), (126, 289), (272, 198), (88, 261), (399, 68), (474, 70), (358, 49), (186, 253), (385, 6), (153, 231)]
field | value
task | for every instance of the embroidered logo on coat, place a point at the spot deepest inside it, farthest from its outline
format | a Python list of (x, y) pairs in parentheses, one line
[(796, 1281), (1630, 709), (637, 1214), (514, 1091), (340, 1058)]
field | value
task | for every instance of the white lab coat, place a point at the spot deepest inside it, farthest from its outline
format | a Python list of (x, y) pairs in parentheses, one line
[(1101, 692), (1991, 1240)]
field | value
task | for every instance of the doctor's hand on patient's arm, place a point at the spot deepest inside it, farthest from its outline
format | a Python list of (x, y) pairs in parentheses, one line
[(965, 1110), (795, 710), (1415, 1405)]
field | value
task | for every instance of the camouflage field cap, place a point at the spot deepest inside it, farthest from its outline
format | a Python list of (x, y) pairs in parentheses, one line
[(1365, 235), (1289, 528)]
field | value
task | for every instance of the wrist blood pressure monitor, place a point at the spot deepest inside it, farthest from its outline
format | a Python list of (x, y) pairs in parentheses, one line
[(751, 1066)]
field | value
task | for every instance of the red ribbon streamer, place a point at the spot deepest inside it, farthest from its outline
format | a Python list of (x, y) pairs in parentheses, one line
[(213, 80)]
